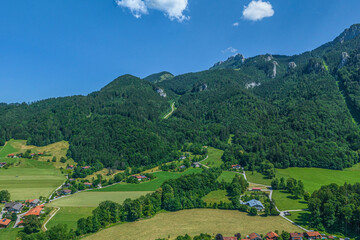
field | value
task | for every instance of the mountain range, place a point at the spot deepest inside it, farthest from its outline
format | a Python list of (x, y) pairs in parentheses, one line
[(300, 110)]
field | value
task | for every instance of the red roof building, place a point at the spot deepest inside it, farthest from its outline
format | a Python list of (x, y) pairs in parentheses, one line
[(296, 236), (254, 236), (11, 155), (230, 238), (4, 222), (313, 235), (35, 211), (256, 189), (271, 235)]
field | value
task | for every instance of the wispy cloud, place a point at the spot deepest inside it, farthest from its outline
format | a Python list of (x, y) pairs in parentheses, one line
[(235, 24), (174, 9), (257, 10), (229, 50)]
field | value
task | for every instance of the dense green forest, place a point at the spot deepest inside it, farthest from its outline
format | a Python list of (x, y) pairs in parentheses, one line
[(300, 110), (336, 208)]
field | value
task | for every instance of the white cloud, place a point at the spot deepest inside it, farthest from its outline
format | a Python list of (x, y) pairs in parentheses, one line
[(235, 24), (229, 50), (174, 9), (137, 7), (257, 10)]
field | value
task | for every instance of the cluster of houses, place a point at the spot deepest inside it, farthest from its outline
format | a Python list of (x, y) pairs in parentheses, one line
[(236, 167), (293, 236), (17, 207), (19, 155)]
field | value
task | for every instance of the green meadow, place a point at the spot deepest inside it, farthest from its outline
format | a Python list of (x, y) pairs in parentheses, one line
[(216, 197), (82, 204), (226, 176), (214, 157), (152, 185), (8, 148), (9, 233), (313, 179)]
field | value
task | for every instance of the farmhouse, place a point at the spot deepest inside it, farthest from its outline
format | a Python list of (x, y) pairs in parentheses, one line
[(236, 167), (182, 157), (256, 189), (33, 202), (70, 167), (271, 236), (2, 164), (230, 238), (86, 167), (4, 223), (11, 155), (139, 177), (313, 235), (66, 191), (256, 204), (15, 207), (196, 164), (35, 211), (254, 236), (182, 167), (87, 184), (296, 236)]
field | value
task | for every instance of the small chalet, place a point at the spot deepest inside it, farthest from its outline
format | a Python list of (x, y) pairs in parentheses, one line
[(254, 236), (139, 177), (11, 155), (313, 235), (35, 211), (2, 164), (87, 184), (271, 236), (196, 164), (296, 236), (15, 207), (256, 204), (182, 157), (66, 191), (71, 180), (182, 167), (86, 167), (236, 167), (33, 202), (230, 238), (70, 167), (40, 153), (4, 223)]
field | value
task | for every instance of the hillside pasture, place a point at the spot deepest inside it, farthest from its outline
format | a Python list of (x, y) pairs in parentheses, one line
[(214, 157), (193, 222), (82, 204), (227, 176), (152, 185), (216, 197)]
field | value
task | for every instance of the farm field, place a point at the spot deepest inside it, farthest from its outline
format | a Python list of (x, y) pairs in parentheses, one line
[(29, 179), (216, 197), (81, 205), (193, 222), (9, 233), (226, 176), (152, 185), (214, 157)]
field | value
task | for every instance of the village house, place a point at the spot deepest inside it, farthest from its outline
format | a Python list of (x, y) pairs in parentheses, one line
[(35, 211), (313, 235), (139, 177), (296, 236), (4, 223), (182, 157), (2, 164), (255, 236), (32, 202), (182, 167), (66, 191), (20, 224), (70, 167), (236, 167), (256, 189), (71, 180), (87, 184), (196, 164), (15, 207), (271, 236), (230, 238), (86, 167), (11, 155), (256, 204)]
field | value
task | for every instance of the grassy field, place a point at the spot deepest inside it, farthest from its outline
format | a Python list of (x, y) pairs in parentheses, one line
[(193, 222), (302, 218), (9, 233), (81, 205), (313, 179), (226, 176), (214, 157), (8, 148), (216, 197), (29, 179), (152, 185)]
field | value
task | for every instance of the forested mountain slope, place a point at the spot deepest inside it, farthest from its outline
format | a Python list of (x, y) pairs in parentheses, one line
[(291, 110)]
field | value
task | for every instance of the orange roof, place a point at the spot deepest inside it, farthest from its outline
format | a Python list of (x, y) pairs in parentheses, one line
[(29, 201), (272, 235), (5, 221), (21, 222), (230, 238), (35, 211), (313, 234)]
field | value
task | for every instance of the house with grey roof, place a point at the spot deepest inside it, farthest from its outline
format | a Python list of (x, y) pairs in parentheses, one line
[(256, 204), (15, 207)]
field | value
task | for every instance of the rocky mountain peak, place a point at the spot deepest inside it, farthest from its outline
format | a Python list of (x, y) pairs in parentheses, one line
[(349, 33)]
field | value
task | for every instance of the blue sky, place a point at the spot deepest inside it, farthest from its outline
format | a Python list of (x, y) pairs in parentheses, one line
[(66, 47)]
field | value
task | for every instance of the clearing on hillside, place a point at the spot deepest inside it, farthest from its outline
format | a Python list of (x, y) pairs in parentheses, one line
[(214, 157), (193, 222)]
